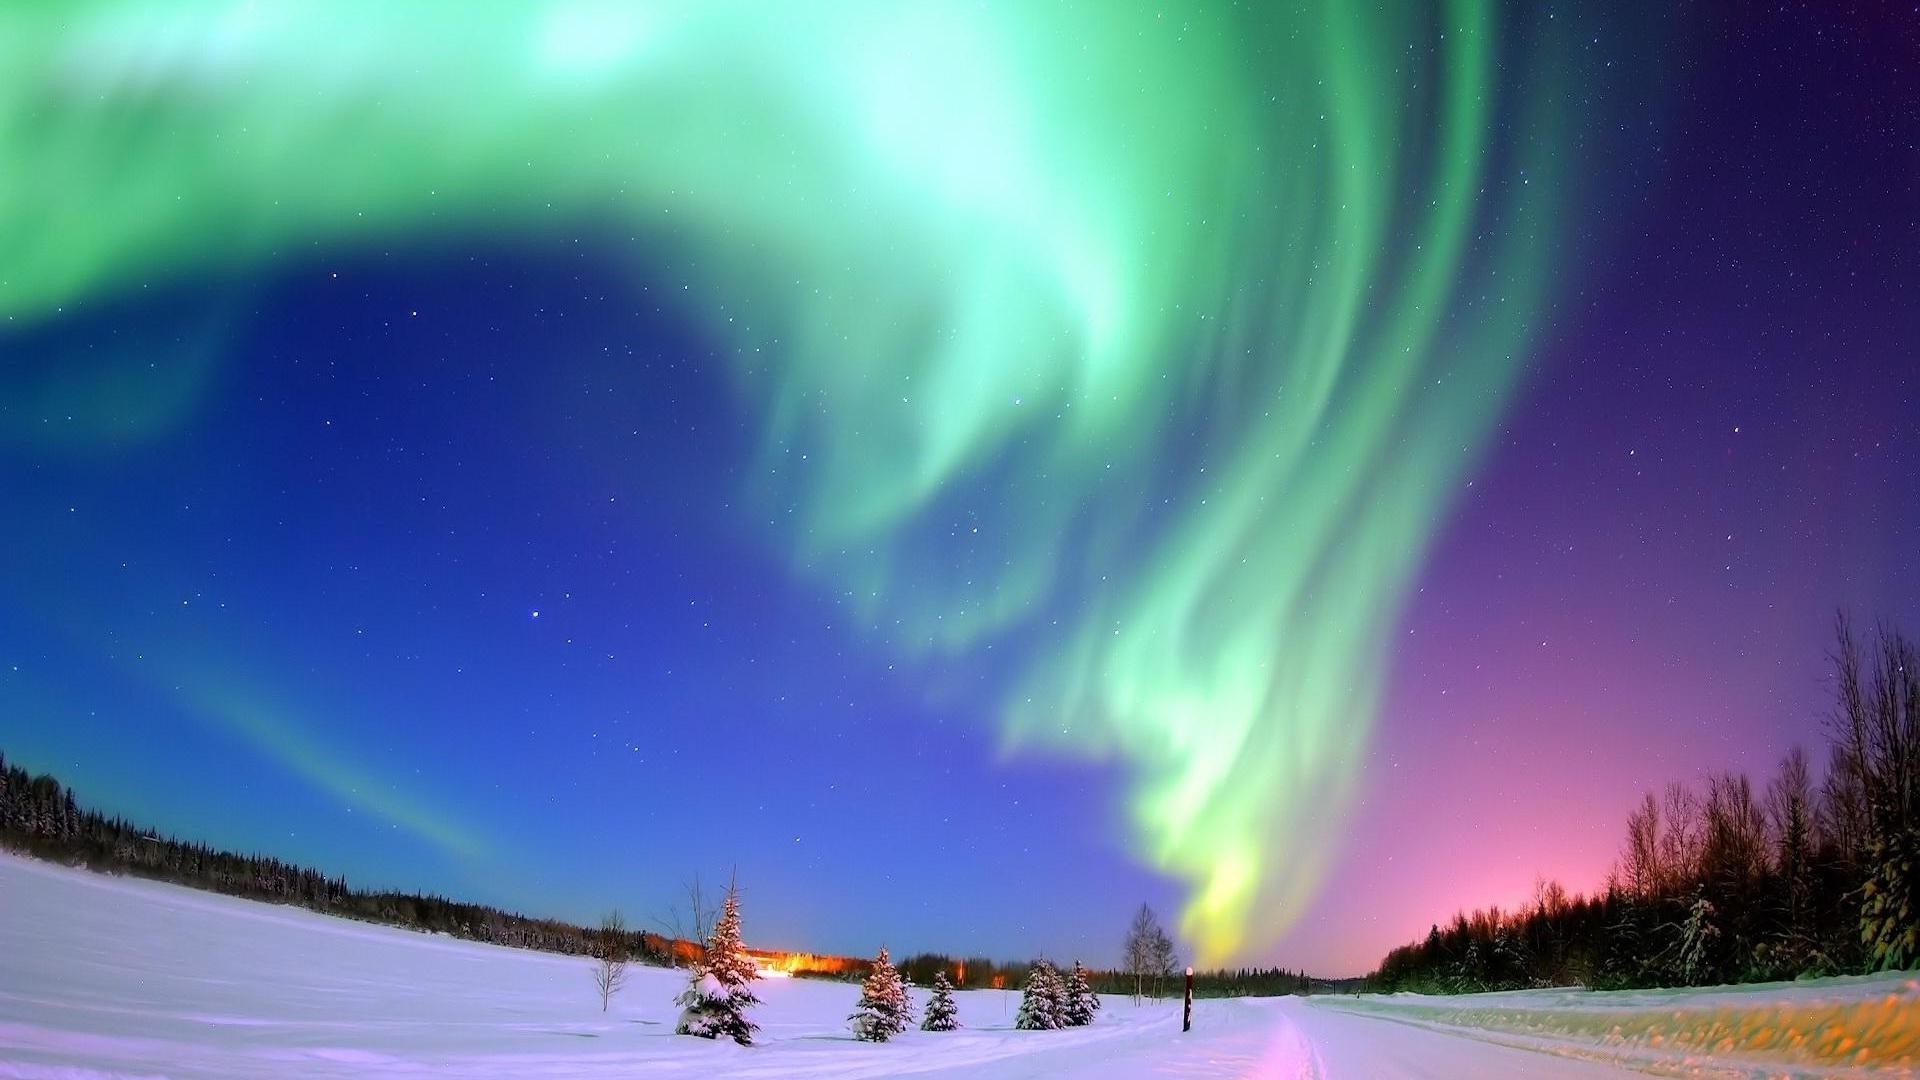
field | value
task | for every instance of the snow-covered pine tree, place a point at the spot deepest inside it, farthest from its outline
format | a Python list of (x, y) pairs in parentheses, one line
[(1889, 923), (1060, 993), (714, 1004), (1040, 1001), (884, 1010), (1698, 940), (1081, 1001), (942, 1013)]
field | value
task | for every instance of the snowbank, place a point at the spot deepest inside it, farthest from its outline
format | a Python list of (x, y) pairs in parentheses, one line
[(1867, 1024)]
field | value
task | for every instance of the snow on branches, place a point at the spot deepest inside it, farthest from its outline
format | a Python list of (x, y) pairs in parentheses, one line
[(885, 1010), (714, 1004)]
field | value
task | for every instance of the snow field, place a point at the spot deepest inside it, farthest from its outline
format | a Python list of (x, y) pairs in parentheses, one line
[(104, 976)]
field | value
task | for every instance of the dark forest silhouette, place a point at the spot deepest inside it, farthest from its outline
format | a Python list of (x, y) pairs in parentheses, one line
[(40, 817), (1728, 882)]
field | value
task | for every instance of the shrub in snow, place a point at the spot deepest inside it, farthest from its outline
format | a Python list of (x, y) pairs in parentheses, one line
[(1042, 1002), (884, 1010), (942, 1013), (610, 952), (714, 1004), (1081, 1001)]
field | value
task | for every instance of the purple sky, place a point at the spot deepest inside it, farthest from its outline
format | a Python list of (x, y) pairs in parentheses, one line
[(1720, 447)]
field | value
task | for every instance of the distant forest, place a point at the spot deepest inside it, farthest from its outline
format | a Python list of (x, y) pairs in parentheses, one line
[(40, 817), (1716, 884), (1724, 882), (981, 973)]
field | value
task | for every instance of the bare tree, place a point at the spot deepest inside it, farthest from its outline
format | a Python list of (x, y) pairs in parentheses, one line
[(689, 921), (1680, 844), (610, 968), (1790, 816), (1164, 962), (1550, 897), (1734, 848), (1137, 957), (1640, 862), (1842, 817)]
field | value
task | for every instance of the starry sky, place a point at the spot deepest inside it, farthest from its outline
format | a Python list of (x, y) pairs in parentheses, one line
[(969, 471)]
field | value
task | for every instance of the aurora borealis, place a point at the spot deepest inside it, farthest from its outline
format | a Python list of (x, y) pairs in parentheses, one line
[(1055, 387)]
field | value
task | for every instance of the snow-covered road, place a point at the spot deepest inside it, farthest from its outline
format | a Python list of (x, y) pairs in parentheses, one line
[(1285, 1039), (103, 976)]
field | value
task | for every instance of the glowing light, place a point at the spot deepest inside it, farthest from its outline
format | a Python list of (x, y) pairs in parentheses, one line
[(1204, 313)]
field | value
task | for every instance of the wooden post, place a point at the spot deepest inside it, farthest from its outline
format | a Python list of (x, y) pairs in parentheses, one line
[(1186, 1022)]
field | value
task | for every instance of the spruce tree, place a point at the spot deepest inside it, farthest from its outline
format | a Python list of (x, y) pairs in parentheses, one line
[(1889, 922), (942, 1013), (714, 1004), (1040, 1001), (884, 1010), (1699, 938), (1081, 1001)]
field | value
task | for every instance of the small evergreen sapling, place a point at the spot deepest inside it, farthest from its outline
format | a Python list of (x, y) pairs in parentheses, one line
[(942, 1013), (1081, 1001), (885, 1010), (714, 1004), (1041, 1001)]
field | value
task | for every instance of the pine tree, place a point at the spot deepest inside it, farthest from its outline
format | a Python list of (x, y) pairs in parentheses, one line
[(1041, 1000), (885, 1010), (1698, 938), (1059, 990), (1889, 925), (1081, 1001), (714, 1004), (942, 1013)]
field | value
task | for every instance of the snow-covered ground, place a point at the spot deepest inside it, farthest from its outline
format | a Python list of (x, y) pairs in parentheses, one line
[(112, 976), (1850, 1026)]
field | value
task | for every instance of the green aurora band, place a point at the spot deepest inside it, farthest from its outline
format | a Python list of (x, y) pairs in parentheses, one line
[(1181, 329)]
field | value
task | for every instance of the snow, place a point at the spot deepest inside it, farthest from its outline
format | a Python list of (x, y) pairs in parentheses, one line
[(1846, 1026), (104, 976)]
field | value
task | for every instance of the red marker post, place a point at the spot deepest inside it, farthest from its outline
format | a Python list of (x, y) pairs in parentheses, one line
[(1186, 1023)]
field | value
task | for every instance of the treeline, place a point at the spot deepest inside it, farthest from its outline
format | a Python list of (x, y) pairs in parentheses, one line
[(1226, 982), (1150, 968), (40, 817), (982, 973), (1728, 881)]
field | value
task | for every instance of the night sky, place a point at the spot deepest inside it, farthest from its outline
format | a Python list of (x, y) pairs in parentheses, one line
[(1235, 489)]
